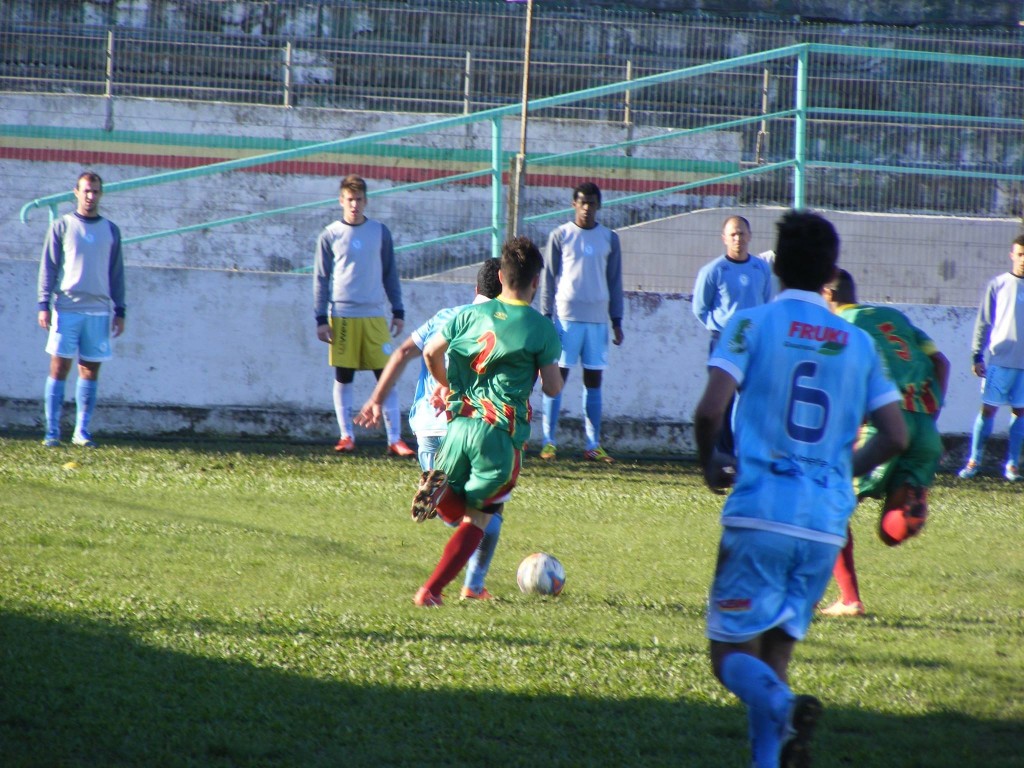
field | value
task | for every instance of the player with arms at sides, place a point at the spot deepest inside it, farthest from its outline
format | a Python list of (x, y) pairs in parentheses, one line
[(804, 381), (580, 290), (921, 372), (733, 281), (999, 334), (494, 352), (430, 424), (353, 269), (81, 273)]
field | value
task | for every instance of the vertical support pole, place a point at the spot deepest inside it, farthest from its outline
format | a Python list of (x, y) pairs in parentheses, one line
[(108, 88), (288, 74), (762, 135), (800, 134), (467, 80), (627, 116), (519, 169), (497, 168)]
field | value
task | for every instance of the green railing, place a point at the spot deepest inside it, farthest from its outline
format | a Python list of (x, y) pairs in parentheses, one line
[(797, 114)]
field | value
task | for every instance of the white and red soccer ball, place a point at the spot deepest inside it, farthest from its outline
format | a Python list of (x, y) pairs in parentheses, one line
[(541, 574)]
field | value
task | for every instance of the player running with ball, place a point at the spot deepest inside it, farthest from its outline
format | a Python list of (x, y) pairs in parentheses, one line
[(494, 352)]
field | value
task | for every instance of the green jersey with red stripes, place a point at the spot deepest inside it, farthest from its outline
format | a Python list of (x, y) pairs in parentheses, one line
[(906, 350), (494, 352)]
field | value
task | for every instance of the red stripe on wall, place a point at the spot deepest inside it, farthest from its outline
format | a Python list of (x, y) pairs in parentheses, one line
[(321, 168)]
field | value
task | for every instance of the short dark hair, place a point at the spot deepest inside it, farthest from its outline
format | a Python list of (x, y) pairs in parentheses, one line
[(1019, 240), (352, 183), (89, 176), (520, 262), (806, 250), (844, 290), (487, 282), (735, 217), (586, 188)]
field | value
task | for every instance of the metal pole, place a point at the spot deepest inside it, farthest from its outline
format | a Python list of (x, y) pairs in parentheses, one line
[(467, 79), (762, 135), (628, 112), (497, 236), (288, 74), (800, 139), (109, 86), (519, 169)]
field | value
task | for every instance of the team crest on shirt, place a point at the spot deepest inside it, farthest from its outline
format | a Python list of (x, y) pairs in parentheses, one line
[(744, 280), (738, 342)]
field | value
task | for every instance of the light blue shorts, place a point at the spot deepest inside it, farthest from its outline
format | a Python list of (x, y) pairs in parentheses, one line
[(586, 341), (1003, 386), (765, 580), (87, 337)]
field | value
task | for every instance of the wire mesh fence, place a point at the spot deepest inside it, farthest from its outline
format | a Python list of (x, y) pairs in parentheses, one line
[(886, 135)]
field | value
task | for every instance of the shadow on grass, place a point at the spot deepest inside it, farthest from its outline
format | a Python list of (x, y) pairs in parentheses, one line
[(89, 694)]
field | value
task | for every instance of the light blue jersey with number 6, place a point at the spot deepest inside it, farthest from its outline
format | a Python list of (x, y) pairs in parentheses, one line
[(807, 380)]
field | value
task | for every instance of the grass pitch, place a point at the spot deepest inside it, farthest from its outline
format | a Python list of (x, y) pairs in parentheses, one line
[(250, 604)]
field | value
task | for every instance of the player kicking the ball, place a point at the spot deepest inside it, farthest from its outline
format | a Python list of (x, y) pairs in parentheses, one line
[(494, 352), (805, 380), (922, 373)]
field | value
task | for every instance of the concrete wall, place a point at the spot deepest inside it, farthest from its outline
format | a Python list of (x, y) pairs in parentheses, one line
[(221, 352)]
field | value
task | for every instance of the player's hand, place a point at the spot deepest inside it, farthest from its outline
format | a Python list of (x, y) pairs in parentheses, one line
[(720, 472), (979, 369), (369, 415), (439, 399), (44, 319), (117, 327), (396, 326), (323, 332), (617, 335)]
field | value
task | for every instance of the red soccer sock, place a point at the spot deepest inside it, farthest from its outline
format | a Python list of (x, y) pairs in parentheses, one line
[(844, 574), (457, 551), (450, 506)]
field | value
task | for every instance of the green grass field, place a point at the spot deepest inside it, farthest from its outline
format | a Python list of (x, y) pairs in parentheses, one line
[(250, 604)]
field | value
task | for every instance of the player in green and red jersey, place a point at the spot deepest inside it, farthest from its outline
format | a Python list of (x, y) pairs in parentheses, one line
[(921, 372), (494, 352)]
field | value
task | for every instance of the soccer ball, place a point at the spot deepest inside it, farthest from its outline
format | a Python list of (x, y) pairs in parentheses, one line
[(541, 574)]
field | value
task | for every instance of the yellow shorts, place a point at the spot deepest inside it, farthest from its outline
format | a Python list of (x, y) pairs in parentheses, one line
[(360, 343)]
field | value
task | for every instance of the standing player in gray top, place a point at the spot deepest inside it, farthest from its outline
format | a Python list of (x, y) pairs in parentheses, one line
[(580, 289), (353, 270), (82, 273), (999, 333)]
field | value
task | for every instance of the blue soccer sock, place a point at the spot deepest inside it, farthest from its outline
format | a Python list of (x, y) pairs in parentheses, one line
[(982, 429), (392, 417), (85, 401), (550, 407), (592, 412), (53, 403), (767, 699), (1016, 439), (480, 562)]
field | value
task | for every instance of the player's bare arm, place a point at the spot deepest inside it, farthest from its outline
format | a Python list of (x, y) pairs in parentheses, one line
[(551, 379), (370, 414), (941, 365), (890, 439), (719, 473)]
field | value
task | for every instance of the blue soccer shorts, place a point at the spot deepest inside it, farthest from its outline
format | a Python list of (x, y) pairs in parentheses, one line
[(765, 580), (1003, 386), (583, 341), (76, 334)]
